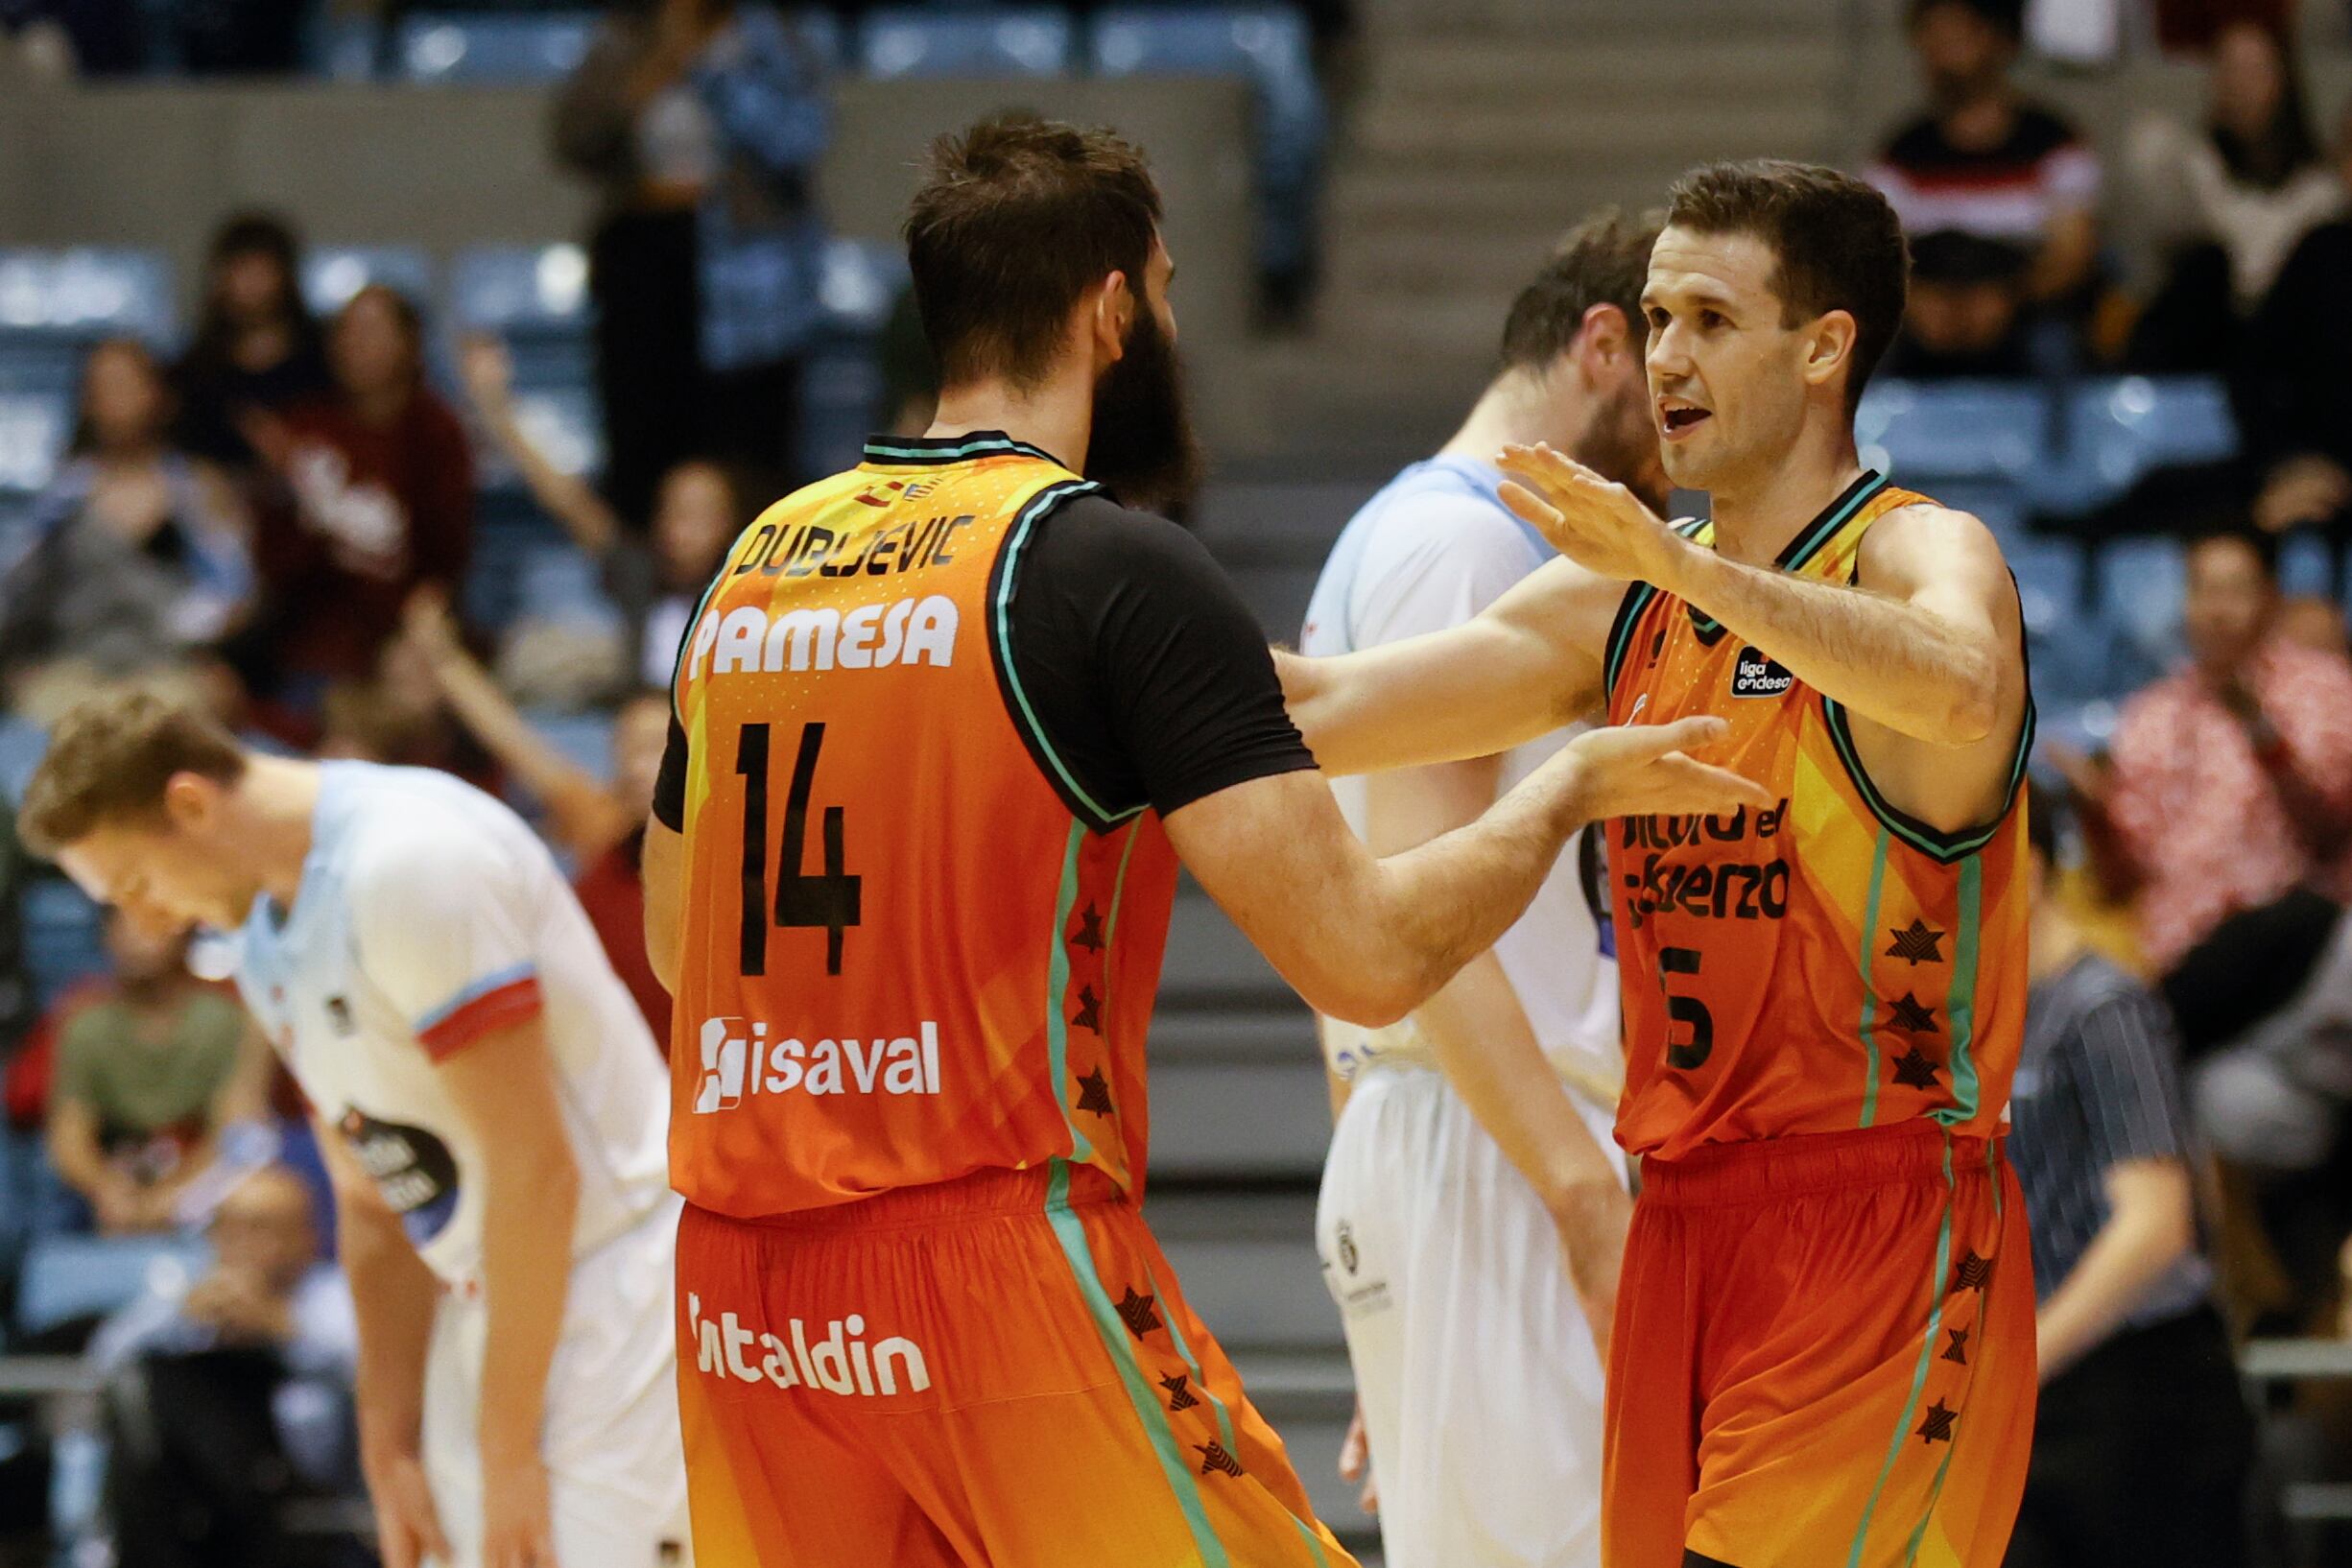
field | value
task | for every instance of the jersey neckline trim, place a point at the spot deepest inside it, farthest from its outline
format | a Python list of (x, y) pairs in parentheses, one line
[(904, 451), (1809, 540)]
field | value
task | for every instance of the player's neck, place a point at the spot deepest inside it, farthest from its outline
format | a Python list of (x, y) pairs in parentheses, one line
[(1755, 524), (278, 799), (1056, 416), (1514, 410)]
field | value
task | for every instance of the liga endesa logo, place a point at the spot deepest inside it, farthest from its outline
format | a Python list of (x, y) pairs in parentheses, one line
[(740, 1062), (839, 1361)]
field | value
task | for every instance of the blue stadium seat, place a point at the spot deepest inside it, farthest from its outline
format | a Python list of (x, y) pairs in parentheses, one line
[(83, 294), (76, 1276), (522, 47), (2142, 586), (841, 375), (62, 937), (819, 32), (521, 288), (1920, 432), (2117, 430), (1269, 47), (341, 48), (860, 283), (332, 274), (903, 41), (34, 429), (2305, 564), (22, 745)]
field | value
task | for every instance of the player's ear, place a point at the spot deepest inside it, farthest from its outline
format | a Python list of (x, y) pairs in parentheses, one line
[(190, 801), (1113, 315), (1603, 338), (1829, 345)]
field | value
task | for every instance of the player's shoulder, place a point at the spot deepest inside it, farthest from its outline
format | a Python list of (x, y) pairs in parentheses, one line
[(1921, 536), (1090, 533), (415, 825), (1440, 526)]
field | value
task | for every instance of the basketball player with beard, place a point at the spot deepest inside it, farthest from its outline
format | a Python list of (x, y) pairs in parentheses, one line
[(945, 728), (1473, 1196)]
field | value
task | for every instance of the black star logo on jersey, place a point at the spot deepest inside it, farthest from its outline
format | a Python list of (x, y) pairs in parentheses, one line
[(1914, 1070), (1094, 1094), (1180, 1397), (1914, 1016), (1937, 1427), (1089, 1011), (1958, 1351), (1915, 944), (1137, 1312), (1215, 1461), (1089, 931), (1972, 1273)]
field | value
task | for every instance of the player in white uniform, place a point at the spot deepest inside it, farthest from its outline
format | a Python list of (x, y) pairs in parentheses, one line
[(1473, 1205), (491, 1105)]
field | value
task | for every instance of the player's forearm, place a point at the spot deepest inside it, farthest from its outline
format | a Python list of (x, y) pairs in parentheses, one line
[(530, 1201), (394, 1298), (1424, 700), (2139, 1241), (1491, 1057), (564, 497), (1893, 663), (1429, 910)]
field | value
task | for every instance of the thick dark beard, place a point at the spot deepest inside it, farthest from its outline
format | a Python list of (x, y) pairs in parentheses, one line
[(1620, 444), (1143, 448)]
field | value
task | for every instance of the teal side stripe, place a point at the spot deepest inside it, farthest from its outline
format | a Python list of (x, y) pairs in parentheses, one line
[(1307, 1532), (1058, 991), (1960, 1007), (1992, 1170), (1110, 927), (1045, 501), (1927, 1352), (1628, 617), (1200, 1378), (1869, 994), (1071, 1232)]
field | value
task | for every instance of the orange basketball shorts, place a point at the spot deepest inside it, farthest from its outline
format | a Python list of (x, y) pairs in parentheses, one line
[(995, 1372), (1822, 1357)]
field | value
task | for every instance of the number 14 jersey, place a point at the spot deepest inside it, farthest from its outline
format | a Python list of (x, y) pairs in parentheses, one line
[(1824, 963), (905, 956)]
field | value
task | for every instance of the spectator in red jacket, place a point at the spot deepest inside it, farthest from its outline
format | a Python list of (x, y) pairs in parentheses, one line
[(374, 499)]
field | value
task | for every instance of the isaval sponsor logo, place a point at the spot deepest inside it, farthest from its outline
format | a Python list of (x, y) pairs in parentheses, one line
[(741, 1061)]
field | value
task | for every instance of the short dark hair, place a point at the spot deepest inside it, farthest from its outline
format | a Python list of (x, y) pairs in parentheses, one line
[(1838, 241), (1018, 218), (110, 759), (2044, 812), (2007, 18), (1604, 260)]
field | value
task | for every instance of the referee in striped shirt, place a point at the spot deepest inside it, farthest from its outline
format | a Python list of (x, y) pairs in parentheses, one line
[(2144, 1444)]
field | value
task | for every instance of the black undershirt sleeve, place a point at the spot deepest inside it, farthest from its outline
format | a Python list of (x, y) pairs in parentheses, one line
[(670, 784), (1148, 676)]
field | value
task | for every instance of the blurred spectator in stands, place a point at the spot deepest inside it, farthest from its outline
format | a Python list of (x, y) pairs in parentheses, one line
[(2191, 27), (1996, 193), (2231, 781), (702, 123), (152, 1066), (2310, 619), (2238, 195), (256, 346), (79, 37), (654, 575), (2291, 407), (600, 828), (226, 1400), (2130, 1341), (374, 499), (139, 552)]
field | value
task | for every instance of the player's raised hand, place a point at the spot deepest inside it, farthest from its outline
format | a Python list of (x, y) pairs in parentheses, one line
[(1602, 526), (1642, 770), (1356, 1463), (408, 1526)]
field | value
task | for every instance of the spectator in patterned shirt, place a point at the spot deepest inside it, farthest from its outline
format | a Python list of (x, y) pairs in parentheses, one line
[(2129, 1340), (1995, 192), (2230, 789)]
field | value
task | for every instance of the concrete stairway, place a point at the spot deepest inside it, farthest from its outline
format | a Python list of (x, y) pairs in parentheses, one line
[(1479, 133)]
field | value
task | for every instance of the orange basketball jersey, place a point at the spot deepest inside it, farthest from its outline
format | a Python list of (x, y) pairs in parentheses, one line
[(1827, 962), (905, 959)]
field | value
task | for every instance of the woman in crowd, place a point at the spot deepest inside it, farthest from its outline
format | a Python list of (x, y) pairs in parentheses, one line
[(701, 123), (372, 497), (139, 552), (255, 348), (2242, 194)]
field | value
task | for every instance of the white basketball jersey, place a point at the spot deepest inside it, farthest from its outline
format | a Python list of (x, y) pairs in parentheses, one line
[(429, 916), (1430, 550)]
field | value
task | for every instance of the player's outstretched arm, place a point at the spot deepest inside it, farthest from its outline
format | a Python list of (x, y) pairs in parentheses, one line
[(1527, 665), (1367, 940)]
